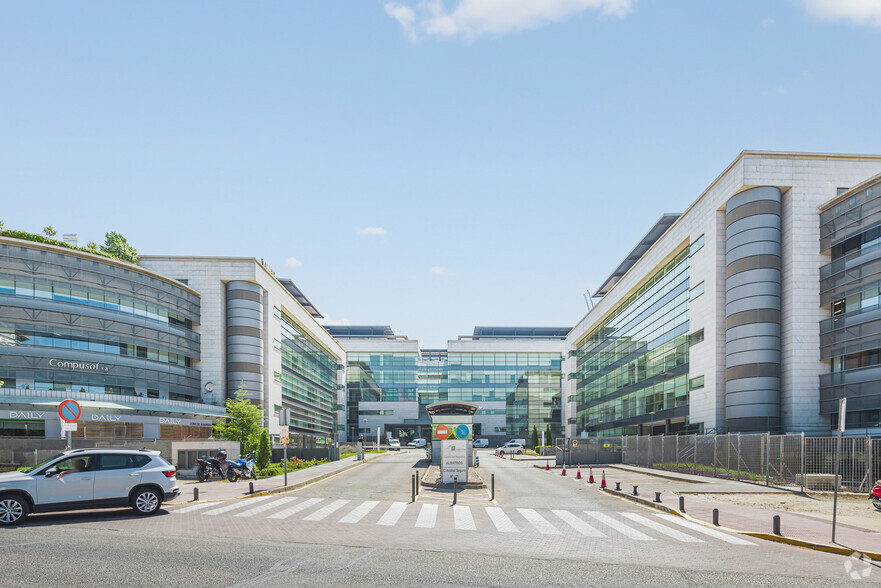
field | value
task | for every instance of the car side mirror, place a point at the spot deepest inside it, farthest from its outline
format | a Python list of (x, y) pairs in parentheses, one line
[(51, 472)]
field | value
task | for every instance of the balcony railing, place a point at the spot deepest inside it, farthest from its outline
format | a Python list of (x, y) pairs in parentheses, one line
[(136, 402)]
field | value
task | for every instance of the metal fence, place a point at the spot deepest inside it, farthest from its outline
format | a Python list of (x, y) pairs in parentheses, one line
[(781, 460)]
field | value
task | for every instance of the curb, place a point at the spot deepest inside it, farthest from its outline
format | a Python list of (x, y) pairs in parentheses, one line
[(875, 556)]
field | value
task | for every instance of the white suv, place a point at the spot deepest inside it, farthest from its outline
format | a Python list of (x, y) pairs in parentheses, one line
[(89, 478)]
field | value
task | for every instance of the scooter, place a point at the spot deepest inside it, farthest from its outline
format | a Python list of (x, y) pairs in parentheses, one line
[(875, 496)]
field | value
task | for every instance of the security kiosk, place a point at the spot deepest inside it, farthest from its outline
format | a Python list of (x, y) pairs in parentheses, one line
[(452, 438)]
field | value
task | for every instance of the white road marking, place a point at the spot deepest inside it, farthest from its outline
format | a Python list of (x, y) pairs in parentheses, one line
[(664, 530), (359, 513), (283, 514), (236, 505), (537, 521), (701, 529), (195, 507), (463, 519), (619, 526), (577, 523), (326, 510), (427, 516), (267, 506), (501, 520), (391, 516)]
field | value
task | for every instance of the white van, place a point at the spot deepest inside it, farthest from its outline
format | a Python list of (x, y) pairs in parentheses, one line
[(520, 441), (416, 443), (481, 443)]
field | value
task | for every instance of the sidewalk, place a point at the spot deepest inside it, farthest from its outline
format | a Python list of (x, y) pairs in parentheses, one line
[(223, 490), (795, 529)]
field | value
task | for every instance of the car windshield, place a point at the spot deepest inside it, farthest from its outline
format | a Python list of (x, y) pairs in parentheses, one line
[(41, 464)]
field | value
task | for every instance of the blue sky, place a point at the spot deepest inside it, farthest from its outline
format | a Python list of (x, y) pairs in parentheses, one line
[(428, 165)]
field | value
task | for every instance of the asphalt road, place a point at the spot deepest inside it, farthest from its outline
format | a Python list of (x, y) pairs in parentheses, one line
[(360, 527)]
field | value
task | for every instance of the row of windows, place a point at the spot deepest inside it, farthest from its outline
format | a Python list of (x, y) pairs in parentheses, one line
[(379, 360), (73, 339), (525, 359), (854, 361), (74, 294), (866, 298), (75, 385), (865, 241), (661, 396)]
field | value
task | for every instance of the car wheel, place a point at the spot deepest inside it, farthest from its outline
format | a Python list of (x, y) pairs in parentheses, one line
[(13, 510), (519, 451), (146, 501)]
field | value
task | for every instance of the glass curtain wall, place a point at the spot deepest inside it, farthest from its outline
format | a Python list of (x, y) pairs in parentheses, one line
[(378, 377), (633, 366), (527, 386), (308, 380)]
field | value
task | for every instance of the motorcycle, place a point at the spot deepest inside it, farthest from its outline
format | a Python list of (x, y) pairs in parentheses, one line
[(244, 467), (875, 496), (209, 467)]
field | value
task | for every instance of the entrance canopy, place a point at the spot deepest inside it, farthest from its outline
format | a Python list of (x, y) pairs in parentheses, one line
[(451, 407)]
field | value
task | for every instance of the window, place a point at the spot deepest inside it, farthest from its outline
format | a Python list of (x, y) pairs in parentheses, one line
[(696, 337), (696, 382), (696, 291), (122, 462), (696, 246)]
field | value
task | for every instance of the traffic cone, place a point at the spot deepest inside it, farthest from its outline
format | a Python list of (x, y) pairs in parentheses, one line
[(564, 470), (578, 476), (591, 475), (603, 483), (548, 465)]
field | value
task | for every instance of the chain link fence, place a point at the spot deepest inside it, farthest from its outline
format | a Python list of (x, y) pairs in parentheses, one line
[(807, 463)]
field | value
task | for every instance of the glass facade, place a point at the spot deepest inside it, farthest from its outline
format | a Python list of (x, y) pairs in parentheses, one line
[(79, 323), (308, 380), (526, 386), (378, 377), (632, 368), (850, 284)]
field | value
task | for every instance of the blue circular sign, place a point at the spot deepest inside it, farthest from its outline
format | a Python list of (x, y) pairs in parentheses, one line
[(462, 431)]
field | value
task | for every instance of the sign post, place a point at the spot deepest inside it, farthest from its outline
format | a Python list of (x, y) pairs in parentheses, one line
[(284, 419), (454, 461), (69, 411), (842, 412)]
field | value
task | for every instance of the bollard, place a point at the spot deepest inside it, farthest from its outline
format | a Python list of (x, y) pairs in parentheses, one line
[(618, 486), (776, 521), (716, 516), (195, 493), (250, 487), (682, 504), (413, 488), (493, 480), (658, 497), (635, 493), (455, 488), (418, 483)]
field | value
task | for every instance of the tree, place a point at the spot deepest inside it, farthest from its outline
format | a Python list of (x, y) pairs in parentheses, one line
[(92, 246), (535, 441), (49, 231), (2, 226), (264, 450), (243, 421), (117, 246), (549, 437)]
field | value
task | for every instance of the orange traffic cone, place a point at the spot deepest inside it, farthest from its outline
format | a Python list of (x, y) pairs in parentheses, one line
[(591, 475), (564, 470), (578, 477), (603, 483)]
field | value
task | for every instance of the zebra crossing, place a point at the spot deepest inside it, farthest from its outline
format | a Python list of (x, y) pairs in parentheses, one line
[(645, 527)]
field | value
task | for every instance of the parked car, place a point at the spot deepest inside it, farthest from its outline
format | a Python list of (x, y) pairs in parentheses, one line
[(481, 443), (394, 445), (89, 478), (509, 448), (520, 441), (417, 443)]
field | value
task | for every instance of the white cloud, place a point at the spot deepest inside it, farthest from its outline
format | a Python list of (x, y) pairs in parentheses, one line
[(332, 322), (442, 271), (293, 262), (776, 90), (371, 232), (858, 11), (472, 18), (766, 22)]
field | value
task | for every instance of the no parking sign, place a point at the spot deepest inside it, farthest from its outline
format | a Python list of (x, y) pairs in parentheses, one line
[(69, 410)]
